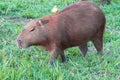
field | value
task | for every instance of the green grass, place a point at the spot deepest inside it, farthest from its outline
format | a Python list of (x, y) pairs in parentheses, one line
[(32, 63)]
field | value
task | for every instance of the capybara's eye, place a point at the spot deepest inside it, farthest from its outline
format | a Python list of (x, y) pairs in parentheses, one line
[(32, 29)]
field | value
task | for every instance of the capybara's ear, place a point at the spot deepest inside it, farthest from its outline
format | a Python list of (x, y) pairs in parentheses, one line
[(42, 22), (39, 23)]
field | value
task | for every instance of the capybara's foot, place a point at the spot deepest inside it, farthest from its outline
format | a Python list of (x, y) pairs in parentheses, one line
[(63, 57), (51, 60)]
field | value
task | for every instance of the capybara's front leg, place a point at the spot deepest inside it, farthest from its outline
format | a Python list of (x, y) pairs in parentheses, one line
[(53, 55), (55, 52)]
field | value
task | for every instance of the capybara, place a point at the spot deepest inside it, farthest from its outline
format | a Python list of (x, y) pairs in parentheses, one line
[(75, 25)]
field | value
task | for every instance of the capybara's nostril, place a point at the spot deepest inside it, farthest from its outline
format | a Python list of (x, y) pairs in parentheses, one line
[(19, 40), (19, 43)]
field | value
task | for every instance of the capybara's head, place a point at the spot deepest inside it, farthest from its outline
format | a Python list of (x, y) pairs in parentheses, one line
[(33, 33)]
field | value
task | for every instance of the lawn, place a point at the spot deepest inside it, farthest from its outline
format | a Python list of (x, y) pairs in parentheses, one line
[(32, 63)]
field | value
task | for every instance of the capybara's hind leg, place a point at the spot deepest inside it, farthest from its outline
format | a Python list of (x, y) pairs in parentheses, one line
[(98, 43), (83, 49)]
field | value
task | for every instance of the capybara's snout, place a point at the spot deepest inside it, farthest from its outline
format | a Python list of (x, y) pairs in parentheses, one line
[(19, 42)]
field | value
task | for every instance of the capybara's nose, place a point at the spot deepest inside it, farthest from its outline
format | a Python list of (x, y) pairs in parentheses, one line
[(19, 43)]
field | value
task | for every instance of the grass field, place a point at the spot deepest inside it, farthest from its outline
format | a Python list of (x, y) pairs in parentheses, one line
[(32, 63)]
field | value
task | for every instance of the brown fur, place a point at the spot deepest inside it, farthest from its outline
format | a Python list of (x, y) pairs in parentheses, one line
[(75, 25)]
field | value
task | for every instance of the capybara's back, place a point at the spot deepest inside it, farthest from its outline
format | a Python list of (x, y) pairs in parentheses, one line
[(75, 25)]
